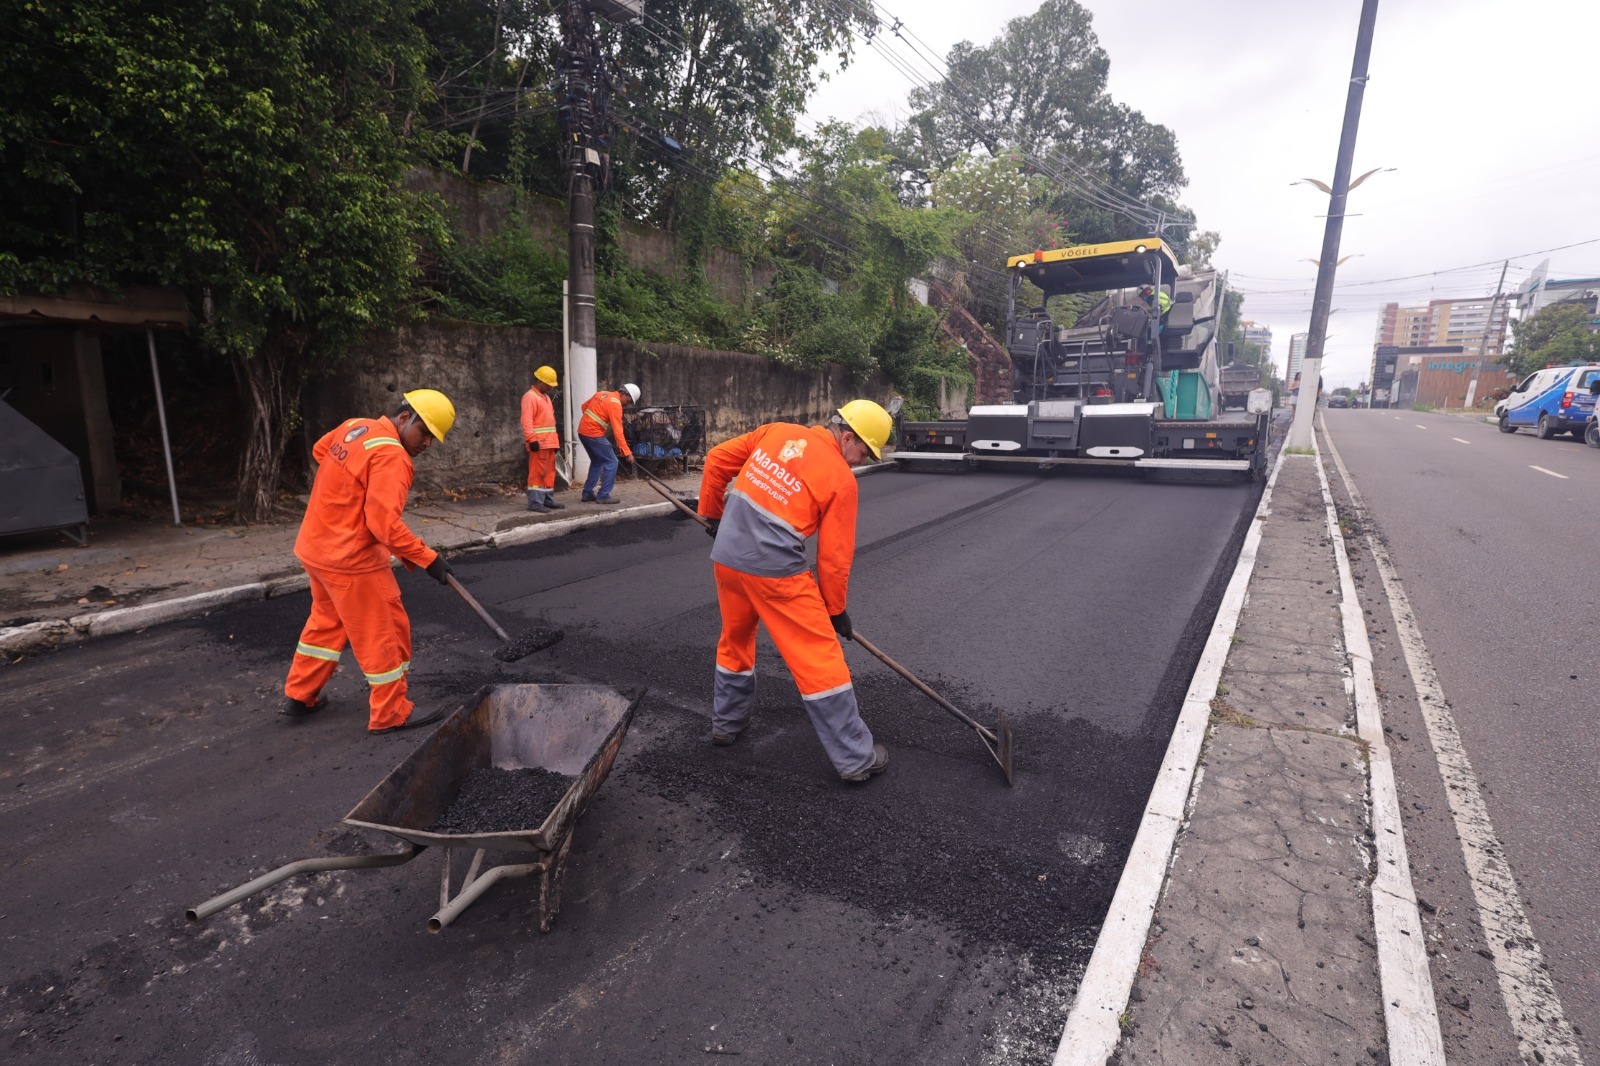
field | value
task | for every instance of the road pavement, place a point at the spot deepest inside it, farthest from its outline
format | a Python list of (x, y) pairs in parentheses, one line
[(719, 901), (1489, 535)]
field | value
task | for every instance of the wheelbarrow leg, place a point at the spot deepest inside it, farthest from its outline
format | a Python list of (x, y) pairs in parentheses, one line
[(555, 872)]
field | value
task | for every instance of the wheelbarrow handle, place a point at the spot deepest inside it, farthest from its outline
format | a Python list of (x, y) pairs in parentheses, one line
[(984, 732), (477, 608)]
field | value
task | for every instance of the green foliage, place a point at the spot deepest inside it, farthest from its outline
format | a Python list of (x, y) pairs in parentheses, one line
[(250, 152), (1557, 333), (1039, 87)]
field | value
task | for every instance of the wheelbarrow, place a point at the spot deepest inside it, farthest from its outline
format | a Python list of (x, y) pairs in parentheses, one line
[(573, 730)]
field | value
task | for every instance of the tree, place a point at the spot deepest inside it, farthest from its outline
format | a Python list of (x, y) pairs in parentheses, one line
[(1557, 333), (250, 152), (1040, 88)]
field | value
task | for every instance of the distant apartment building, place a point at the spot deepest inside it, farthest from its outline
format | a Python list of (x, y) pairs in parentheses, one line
[(1474, 323), (1297, 355), (1539, 292)]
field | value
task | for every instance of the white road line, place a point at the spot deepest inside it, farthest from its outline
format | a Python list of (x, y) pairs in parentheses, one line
[(1092, 1030), (1543, 1033), (1419, 425), (1397, 418), (1410, 1015), (1552, 473), (1460, 441)]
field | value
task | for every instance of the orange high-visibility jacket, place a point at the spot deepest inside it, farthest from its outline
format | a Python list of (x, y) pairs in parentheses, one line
[(539, 419), (773, 488), (353, 522), (601, 411)]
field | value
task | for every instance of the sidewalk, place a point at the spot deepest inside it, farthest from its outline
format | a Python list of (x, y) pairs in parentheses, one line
[(1286, 930), (135, 573)]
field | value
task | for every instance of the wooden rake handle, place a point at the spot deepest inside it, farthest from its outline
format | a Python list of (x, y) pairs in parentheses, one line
[(477, 608)]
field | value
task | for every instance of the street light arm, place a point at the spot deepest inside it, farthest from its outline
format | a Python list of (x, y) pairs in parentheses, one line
[(1321, 185)]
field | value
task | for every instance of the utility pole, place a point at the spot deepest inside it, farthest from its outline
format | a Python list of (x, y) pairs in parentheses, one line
[(1483, 343), (578, 62), (1300, 430)]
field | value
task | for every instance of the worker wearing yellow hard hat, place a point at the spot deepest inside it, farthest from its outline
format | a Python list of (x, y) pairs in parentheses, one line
[(352, 526), (766, 493), (539, 434)]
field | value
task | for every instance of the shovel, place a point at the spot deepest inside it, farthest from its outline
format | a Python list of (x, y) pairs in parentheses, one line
[(999, 745), (536, 639), (666, 490)]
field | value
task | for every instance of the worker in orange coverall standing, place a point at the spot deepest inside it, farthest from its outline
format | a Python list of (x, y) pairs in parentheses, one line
[(765, 493), (539, 433), (352, 526)]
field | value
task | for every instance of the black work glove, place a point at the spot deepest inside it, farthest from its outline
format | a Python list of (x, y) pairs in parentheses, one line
[(712, 525), (841, 624), (439, 569), (533, 446)]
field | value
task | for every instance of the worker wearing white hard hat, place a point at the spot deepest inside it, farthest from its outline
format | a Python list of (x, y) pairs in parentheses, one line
[(602, 414)]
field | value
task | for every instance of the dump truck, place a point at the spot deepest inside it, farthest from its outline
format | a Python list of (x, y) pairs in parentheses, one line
[(1133, 381), (1235, 384)]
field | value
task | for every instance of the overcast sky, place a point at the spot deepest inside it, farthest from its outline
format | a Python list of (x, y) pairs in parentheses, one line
[(1487, 111)]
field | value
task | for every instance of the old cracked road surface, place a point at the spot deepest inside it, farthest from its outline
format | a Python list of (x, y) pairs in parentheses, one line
[(719, 900)]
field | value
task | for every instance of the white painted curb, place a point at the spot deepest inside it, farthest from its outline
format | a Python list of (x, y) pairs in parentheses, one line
[(127, 619), (1092, 1031), (537, 531)]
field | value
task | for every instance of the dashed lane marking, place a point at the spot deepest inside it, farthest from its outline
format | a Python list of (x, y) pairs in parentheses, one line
[(1543, 1032), (1460, 441), (1552, 473), (1419, 425)]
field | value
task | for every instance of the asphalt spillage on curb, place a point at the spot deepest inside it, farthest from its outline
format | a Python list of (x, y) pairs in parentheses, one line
[(496, 800)]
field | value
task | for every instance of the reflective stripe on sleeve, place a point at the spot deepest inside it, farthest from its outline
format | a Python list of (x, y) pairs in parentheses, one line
[(543, 429), (317, 653), (379, 442), (389, 675)]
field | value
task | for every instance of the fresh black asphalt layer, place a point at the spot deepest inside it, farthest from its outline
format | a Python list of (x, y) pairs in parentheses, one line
[(718, 900)]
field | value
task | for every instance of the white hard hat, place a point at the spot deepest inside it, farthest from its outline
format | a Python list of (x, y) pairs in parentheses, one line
[(632, 391)]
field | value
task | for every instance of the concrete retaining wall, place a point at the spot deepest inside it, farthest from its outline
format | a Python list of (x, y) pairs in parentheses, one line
[(485, 369)]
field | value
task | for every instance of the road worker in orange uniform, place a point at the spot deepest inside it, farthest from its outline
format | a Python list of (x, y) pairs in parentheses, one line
[(352, 526), (602, 413), (765, 493), (539, 433)]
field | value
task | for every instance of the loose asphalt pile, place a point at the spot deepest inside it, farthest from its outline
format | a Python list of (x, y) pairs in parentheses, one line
[(526, 643), (494, 800)]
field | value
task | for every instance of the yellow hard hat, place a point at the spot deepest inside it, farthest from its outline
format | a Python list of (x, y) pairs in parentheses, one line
[(435, 410), (547, 375), (869, 422)]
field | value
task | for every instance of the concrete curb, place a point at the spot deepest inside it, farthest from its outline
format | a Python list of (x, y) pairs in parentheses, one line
[(1093, 1028), (1410, 1014), (538, 531)]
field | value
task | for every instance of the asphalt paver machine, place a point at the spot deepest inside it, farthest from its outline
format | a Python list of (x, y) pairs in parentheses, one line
[(1132, 381)]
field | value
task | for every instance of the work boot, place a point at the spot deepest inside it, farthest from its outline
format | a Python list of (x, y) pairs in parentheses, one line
[(413, 720), (588, 497), (721, 739), (880, 763), (536, 502), (550, 503), (293, 708), (606, 499)]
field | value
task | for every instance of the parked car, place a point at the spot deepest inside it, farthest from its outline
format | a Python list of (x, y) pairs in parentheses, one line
[(1553, 400), (1591, 431), (1338, 401)]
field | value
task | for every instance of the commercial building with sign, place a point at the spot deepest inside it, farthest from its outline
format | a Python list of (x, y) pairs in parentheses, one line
[(1441, 375)]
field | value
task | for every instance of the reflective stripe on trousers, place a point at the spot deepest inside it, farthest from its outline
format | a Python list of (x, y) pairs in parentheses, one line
[(363, 611), (791, 609)]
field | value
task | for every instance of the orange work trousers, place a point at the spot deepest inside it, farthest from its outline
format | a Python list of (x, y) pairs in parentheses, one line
[(542, 468), (364, 611), (792, 610)]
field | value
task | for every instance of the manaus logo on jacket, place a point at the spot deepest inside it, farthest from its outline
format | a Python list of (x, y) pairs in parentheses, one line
[(792, 449)]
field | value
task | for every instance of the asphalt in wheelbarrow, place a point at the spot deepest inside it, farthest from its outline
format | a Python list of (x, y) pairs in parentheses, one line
[(495, 800)]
